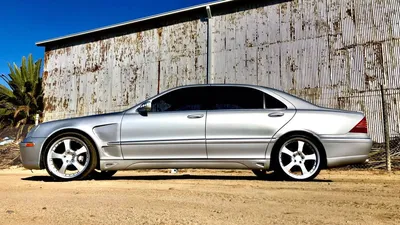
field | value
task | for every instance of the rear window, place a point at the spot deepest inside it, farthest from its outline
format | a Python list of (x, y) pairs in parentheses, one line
[(273, 103), (241, 98)]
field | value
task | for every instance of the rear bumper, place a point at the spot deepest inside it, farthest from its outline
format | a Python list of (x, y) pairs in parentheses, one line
[(346, 151), (31, 155)]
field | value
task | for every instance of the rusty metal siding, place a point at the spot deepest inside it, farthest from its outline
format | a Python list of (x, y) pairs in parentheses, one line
[(117, 72), (334, 53)]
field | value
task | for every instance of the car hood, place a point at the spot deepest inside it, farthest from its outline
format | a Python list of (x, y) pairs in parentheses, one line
[(86, 123)]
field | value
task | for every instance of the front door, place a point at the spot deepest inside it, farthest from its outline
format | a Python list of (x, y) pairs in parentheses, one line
[(241, 122), (174, 129)]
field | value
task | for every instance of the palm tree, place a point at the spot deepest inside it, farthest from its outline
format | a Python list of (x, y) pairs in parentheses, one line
[(24, 98)]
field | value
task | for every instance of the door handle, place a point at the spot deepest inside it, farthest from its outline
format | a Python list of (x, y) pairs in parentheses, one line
[(196, 116), (276, 114)]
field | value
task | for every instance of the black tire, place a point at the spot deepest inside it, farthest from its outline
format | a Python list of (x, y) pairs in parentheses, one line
[(91, 150), (260, 173), (310, 145), (265, 174), (102, 175)]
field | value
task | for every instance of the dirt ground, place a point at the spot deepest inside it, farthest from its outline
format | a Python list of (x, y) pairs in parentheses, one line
[(200, 197)]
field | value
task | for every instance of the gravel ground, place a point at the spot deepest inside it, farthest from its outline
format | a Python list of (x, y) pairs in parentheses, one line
[(203, 197)]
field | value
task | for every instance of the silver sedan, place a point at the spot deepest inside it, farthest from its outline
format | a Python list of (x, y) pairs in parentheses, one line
[(203, 126)]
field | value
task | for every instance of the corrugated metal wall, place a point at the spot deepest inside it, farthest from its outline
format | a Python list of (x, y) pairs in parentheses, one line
[(334, 53), (115, 73)]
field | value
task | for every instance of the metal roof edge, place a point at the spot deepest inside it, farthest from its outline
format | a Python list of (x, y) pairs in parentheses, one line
[(157, 16)]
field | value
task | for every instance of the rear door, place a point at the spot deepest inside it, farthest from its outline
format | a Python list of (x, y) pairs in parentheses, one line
[(241, 122)]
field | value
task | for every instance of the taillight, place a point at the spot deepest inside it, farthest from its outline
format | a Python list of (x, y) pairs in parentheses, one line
[(361, 127)]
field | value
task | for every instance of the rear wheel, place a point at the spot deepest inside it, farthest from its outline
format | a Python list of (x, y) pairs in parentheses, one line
[(297, 158), (70, 156)]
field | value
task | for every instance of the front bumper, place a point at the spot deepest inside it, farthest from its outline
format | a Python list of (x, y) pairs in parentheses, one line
[(31, 155), (346, 151)]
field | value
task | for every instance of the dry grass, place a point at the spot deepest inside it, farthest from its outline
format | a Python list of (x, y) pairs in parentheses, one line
[(9, 156)]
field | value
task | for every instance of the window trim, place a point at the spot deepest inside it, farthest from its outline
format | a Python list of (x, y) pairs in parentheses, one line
[(264, 103)]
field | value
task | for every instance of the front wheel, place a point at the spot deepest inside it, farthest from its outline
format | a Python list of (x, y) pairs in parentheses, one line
[(297, 158), (70, 156)]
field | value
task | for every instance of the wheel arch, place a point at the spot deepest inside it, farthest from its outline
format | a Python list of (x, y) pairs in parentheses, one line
[(314, 137), (59, 132)]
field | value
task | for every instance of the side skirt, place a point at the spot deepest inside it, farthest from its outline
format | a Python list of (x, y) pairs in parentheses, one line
[(185, 164)]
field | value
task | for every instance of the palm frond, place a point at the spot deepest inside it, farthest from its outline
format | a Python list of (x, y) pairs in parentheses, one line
[(5, 92), (21, 122), (22, 108), (24, 98)]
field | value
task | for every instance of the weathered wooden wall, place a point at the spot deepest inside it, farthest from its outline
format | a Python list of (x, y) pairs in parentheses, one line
[(334, 53)]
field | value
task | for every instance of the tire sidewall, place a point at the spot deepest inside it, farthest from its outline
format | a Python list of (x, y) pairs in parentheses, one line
[(92, 160), (276, 161)]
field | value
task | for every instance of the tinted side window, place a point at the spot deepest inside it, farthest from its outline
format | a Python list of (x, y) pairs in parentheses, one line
[(235, 98), (273, 103), (180, 100)]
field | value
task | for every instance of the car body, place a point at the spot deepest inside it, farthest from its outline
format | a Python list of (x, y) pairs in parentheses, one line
[(217, 126)]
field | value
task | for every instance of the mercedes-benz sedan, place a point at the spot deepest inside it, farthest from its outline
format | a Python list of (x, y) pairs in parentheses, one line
[(203, 126)]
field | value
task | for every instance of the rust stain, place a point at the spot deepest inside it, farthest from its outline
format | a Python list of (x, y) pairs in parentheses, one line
[(95, 68), (49, 105), (351, 14), (68, 50), (127, 98), (284, 8), (46, 57), (379, 54), (76, 70), (369, 78), (104, 48), (292, 31), (65, 104), (343, 102), (45, 75), (94, 98), (139, 39), (160, 33), (336, 26), (88, 47)]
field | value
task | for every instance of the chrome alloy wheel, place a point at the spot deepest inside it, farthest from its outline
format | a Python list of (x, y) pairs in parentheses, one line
[(299, 158), (68, 157)]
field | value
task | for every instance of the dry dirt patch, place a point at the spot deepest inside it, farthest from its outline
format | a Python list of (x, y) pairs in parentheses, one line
[(202, 197)]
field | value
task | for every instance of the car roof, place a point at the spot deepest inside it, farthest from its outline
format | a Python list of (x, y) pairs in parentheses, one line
[(297, 102)]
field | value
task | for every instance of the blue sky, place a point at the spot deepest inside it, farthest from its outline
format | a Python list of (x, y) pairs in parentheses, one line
[(24, 22)]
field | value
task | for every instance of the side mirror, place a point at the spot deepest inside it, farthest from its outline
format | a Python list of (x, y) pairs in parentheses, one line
[(144, 108)]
